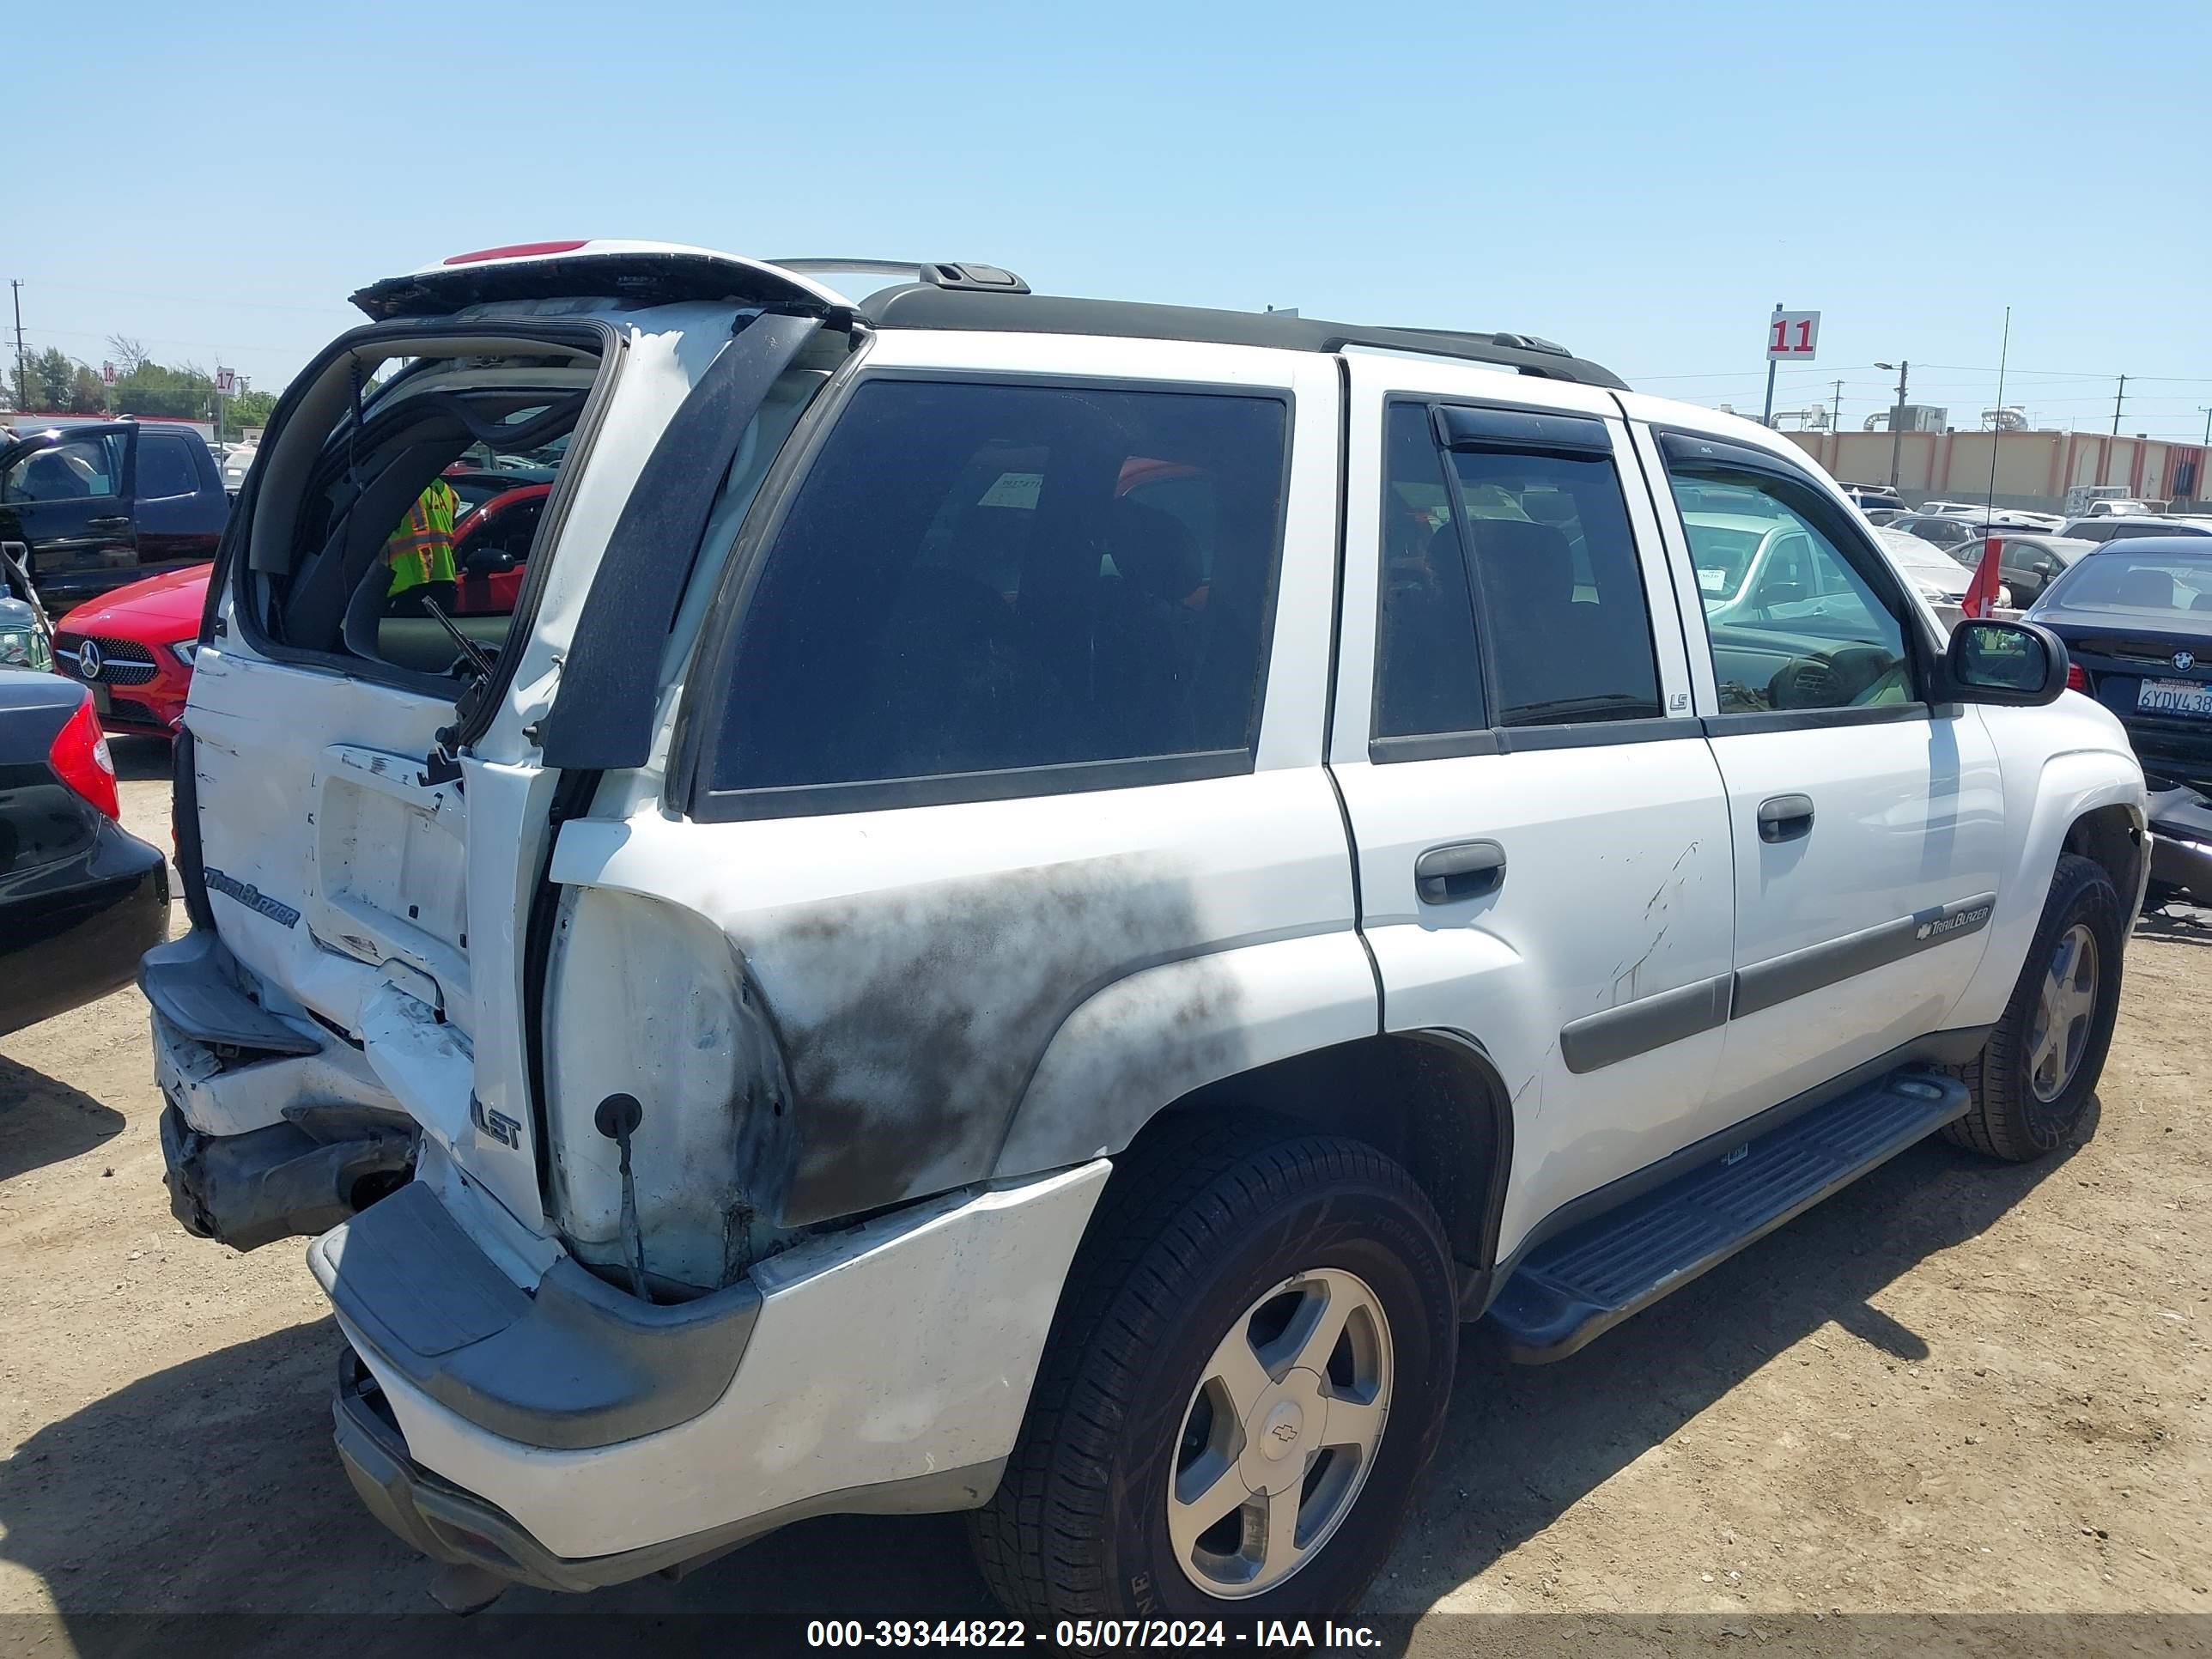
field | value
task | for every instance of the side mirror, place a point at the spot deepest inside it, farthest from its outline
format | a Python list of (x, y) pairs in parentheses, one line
[(2005, 662)]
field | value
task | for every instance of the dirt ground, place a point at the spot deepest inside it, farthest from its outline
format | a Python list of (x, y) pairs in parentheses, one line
[(1959, 1388)]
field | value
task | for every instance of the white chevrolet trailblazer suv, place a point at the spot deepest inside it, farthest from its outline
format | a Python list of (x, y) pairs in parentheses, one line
[(1023, 904)]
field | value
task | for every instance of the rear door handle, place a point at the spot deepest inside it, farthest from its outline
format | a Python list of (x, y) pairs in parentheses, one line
[(1459, 870), (1785, 817)]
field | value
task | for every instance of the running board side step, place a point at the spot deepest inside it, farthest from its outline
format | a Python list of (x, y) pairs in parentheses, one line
[(1572, 1289)]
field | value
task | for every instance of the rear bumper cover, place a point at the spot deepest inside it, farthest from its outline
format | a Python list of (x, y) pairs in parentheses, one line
[(884, 1368), (2181, 841), (573, 1363), (72, 932), (447, 1524), (269, 1130)]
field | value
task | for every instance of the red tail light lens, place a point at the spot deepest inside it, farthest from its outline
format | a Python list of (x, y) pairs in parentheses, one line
[(80, 759), (2076, 680), (512, 250)]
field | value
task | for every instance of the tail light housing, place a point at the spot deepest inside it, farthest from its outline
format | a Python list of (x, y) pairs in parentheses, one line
[(80, 759), (2076, 680), (515, 251)]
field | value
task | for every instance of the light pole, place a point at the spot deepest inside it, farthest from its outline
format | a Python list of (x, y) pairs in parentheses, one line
[(1897, 417)]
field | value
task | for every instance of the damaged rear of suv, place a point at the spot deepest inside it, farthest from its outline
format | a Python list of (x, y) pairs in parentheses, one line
[(954, 949)]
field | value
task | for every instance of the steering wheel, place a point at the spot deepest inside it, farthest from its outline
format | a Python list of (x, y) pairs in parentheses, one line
[(1830, 679)]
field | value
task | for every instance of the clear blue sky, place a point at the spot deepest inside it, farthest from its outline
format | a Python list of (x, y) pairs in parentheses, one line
[(1640, 181)]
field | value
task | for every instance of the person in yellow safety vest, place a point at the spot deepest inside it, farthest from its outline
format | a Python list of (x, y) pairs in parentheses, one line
[(420, 554)]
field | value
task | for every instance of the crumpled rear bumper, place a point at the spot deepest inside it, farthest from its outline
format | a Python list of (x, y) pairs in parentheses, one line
[(2181, 841), (279, 1182), (443, 1522), (528, 1420), (269, 1130)]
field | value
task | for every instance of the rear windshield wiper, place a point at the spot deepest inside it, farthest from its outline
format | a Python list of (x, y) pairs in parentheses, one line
[(479, 660)]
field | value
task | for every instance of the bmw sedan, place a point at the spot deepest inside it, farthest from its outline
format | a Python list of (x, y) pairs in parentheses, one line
[(2136, 617)]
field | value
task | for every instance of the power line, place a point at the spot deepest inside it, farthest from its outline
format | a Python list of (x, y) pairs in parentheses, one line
[(337, 308)]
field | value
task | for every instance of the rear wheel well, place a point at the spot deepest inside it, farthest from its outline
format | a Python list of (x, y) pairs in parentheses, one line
[(1431, 1101), (2111, 836)]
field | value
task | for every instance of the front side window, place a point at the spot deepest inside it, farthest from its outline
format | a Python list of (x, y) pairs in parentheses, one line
[(78, 470), (979, 578), (1794, 620)]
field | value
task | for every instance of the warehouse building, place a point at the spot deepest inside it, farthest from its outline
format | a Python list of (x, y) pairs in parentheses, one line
[(2034, 470)]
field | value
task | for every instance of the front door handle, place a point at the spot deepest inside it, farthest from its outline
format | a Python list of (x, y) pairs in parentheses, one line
[(1459, 870), (111, 521), (1785, 817)]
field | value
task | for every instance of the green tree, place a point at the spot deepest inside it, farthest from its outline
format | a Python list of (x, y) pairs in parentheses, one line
[(53, 377), (88, 393), (156, 389), (252, 410)]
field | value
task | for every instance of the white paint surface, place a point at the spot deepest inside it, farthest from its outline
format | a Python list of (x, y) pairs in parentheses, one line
[(903, 1347)]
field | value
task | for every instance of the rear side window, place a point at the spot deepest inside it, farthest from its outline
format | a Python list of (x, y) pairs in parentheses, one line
[(1557, 583), (165, 466), (1428, 674), (1511, 593), (978, 578)]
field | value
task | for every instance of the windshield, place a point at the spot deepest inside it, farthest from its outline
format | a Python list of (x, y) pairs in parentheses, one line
[(2142, 583), (1940, 532), (1922, 559)]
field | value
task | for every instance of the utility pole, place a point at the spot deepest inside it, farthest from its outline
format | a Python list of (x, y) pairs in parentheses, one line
[(2116, 396), (22, 374), (1996, 432), (1768, 419), (2205, 410), (1897, 420)]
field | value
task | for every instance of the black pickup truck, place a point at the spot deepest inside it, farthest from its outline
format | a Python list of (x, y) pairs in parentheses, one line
[(105, 504)]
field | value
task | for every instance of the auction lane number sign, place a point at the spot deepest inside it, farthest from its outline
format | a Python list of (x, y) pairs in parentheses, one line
[(1793, 335)]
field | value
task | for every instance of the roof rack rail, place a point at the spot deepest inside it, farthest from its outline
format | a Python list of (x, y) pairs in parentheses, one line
[(1516, 342), (938, 273), (931, 305)]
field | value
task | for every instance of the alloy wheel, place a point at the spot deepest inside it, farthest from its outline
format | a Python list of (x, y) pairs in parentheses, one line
[(2060, 1033), (1280, 1433)]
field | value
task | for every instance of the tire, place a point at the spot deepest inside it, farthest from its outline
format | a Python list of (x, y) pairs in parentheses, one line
[(2016, 1114), (1212, 1231)]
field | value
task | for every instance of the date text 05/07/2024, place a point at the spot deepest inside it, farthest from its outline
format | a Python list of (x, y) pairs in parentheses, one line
[(1087, 1634)]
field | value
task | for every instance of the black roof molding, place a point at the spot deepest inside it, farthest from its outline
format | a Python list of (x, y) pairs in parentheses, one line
[(920, 305)]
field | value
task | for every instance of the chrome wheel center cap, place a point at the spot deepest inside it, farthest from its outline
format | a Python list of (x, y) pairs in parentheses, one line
[(1284, 1432)]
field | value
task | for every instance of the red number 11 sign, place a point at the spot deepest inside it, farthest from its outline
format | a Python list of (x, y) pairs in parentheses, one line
[(1793, 334)]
